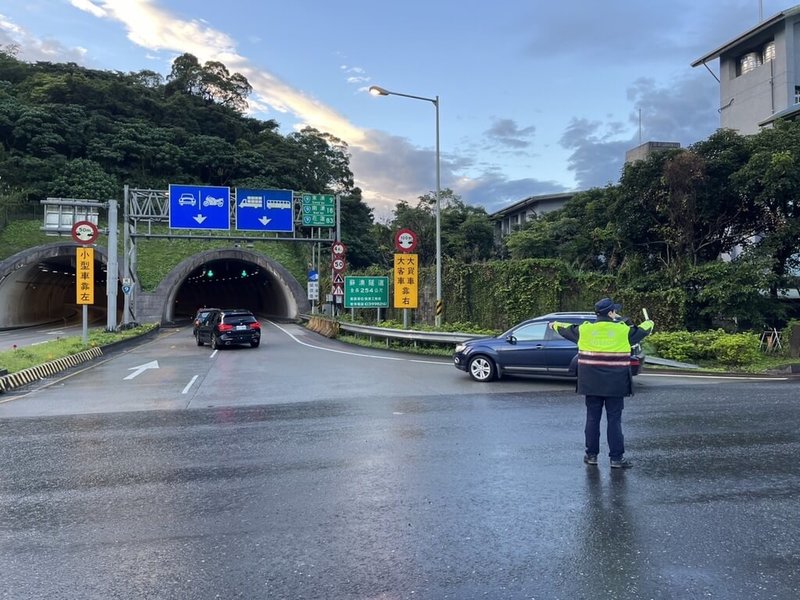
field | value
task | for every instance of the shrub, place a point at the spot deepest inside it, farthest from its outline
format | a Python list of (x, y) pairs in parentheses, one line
[(685, 345), (731, 349), (737, 348)]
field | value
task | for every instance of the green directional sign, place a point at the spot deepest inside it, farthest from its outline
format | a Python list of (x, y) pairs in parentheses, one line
[(319, 210), (366, 292)]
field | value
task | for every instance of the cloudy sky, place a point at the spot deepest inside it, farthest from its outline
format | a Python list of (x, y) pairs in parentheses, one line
[(534, 97)]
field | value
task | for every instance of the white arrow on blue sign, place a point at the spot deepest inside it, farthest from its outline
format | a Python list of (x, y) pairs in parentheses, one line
[(264, 210), (199, 207)]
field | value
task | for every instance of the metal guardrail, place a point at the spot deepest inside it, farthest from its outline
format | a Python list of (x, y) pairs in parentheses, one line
[(435, 337), (442, 337)]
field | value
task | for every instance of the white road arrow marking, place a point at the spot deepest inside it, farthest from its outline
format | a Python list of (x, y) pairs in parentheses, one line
[(153, 364), (199, 218), (264, 221)]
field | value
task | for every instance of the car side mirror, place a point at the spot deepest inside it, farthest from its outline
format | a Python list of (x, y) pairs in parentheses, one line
[(511, 339)]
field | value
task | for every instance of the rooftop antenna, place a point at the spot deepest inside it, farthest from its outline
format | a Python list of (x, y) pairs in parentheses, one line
[(760, 10)]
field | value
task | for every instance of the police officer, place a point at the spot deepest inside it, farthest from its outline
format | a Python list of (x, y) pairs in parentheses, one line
[(604, 374)]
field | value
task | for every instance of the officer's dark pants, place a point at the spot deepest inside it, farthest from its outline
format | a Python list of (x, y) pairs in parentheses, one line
[(594, 414)]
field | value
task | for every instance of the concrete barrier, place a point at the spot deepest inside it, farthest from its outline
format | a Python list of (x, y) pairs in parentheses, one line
[(48, 369)]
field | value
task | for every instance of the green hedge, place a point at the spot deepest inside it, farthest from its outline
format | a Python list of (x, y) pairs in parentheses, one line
[(727, 348)]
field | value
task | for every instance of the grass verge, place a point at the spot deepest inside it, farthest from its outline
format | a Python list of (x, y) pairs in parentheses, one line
[(18, 359)]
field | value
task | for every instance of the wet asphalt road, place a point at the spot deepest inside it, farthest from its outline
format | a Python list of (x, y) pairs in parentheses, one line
[(463, 496)]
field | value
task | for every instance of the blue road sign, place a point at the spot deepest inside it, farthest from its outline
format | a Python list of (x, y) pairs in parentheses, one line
[(199, 207), (264, 210), (313, 275)]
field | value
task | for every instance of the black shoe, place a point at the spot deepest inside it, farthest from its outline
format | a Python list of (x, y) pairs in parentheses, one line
[(590, 459), (622, 463)]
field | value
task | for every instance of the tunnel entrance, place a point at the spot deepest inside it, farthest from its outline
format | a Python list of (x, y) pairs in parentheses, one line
[(228, 283), (234, 278), (37, 286)]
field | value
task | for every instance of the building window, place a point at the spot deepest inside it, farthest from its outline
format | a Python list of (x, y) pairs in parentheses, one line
[(797, 94), (748, 62), (768, 52)]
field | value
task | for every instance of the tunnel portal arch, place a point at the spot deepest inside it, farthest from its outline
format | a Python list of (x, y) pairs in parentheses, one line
[(37, 286), (227, 278)]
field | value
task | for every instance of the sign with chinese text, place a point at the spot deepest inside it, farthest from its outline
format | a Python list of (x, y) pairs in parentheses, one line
[(319, 210), (84, 275), (406, 284), (366, 292)]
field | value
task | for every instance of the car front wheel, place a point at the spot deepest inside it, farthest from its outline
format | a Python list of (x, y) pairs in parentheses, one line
[(481, 369)]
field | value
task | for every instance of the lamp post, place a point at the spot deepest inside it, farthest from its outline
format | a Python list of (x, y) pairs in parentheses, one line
[(379, 91)]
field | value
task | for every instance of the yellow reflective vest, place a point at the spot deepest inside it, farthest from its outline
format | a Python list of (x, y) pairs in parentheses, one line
[(604, 355)]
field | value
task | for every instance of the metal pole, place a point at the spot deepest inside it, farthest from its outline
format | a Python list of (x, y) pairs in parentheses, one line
[(112, 269), (126, 269), (379, 91), (438, 308), (85, 328)]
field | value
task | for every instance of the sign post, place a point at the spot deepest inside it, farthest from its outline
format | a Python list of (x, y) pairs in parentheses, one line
[(406, 290), (338, 267), (84, 233)]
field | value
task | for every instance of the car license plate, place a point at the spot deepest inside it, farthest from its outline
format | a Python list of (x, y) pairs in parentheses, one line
[(241, 327)]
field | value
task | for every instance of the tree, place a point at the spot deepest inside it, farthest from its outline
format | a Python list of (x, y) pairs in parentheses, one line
[(82, 178), (356, 229), (322, 162), (680, 208), (467, 232), (212, 82), (771, 179)]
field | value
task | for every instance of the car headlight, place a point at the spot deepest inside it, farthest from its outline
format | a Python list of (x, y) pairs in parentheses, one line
[(460, 348)]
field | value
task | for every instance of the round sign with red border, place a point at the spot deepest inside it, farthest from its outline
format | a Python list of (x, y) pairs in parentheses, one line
[(338, 249), (405, 240), (338, 265), (85, 232)]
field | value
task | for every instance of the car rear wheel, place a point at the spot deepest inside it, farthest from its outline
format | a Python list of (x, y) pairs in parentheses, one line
[(255, 343), (199, 341), (481, 368)]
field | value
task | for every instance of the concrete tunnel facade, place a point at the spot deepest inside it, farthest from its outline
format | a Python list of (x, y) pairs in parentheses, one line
[(37, 286)]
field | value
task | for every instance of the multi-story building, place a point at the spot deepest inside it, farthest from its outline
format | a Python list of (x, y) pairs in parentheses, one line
[(759, 73), (509, 219)]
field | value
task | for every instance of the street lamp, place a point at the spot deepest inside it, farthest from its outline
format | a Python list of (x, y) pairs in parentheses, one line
[(379, 91)]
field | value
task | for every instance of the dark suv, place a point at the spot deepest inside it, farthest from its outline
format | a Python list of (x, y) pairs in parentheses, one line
[(229, 326)]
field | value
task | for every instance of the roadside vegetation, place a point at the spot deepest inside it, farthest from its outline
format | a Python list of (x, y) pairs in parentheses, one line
[(18, 359)]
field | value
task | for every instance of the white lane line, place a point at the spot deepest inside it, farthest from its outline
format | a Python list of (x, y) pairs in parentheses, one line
[(427, 362), (188, 385), (213, 354)]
